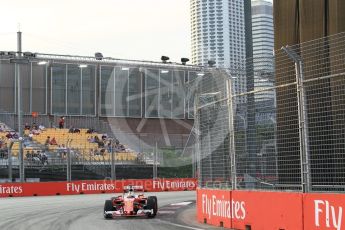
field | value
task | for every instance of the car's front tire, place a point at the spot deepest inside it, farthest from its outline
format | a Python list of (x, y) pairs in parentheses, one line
[(153, 205), (108, 206)]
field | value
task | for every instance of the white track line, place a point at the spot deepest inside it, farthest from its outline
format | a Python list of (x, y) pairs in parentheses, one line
[(181, 204)]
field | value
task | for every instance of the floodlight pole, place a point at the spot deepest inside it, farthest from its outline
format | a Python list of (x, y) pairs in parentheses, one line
[(19, 107)]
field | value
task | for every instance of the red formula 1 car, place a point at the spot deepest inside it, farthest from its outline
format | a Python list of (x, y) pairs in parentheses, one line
[(130, 204)]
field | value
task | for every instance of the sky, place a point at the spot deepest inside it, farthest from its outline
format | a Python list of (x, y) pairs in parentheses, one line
[(130, 29), (127, 29)]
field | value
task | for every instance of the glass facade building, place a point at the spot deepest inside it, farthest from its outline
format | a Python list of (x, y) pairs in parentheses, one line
[(218, 34), (66, 86)]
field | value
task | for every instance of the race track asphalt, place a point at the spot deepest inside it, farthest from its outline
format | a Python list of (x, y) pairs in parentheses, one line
[(85, 212)]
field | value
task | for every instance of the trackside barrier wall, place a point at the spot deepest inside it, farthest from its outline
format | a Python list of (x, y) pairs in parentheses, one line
[(270, 210), (93, 187)]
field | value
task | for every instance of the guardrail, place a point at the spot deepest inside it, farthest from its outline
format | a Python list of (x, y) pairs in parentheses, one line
[(237, 209), (94, 187)]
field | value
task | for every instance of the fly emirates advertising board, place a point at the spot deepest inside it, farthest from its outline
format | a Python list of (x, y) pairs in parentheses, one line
[(270, 210)]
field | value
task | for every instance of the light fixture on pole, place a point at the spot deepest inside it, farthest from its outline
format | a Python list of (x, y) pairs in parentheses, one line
[(184, 61), (98, 56), (164, 59), (211, 63), (29, 54)]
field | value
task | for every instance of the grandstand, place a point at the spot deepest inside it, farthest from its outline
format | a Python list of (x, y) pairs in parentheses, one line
[(138, 101), (138, 105), (80, 142)]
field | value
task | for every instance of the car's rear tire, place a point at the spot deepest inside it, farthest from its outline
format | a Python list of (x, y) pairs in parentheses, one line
[(152, 204), (108, 206)]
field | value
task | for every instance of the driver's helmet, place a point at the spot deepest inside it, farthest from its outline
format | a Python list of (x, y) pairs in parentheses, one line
[(130, 191)]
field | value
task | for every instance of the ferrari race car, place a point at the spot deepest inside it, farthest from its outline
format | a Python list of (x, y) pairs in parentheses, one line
[(131, 204)]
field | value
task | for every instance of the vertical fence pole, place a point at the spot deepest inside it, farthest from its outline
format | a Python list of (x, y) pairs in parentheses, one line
[(156, 162), (197, 140), (9, 157), (193, 164), (232, 151), (303, 124), (113, 172), (154, 166), (69, 168), (302, 119)]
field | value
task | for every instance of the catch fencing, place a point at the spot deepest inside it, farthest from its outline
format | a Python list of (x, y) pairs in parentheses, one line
[(278, 123)]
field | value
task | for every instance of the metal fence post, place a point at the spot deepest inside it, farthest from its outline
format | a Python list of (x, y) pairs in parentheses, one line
[(9, 157), (197, 141), (69, 167), (302, 119), (232, 150), (155, 162), (113, 172), (302, 107)]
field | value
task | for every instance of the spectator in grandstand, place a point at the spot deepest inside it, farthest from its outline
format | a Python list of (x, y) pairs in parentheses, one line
[(2, 155), (76, 130), (91, 139), (101, 144), (96, 152), (28, 155), (44, 158), (59, 151), (53, 141), (35, 131), (34, 126), (92, 152), (36, 157), (41, 127), (30, 136), (61, 122), (27, 126), (47, 142), (9, 135), (15, 135), (71, 130), (109, 147), (64, 151), (104, 136), (90, 131), (140, 157), (4, 152), (117, 142)]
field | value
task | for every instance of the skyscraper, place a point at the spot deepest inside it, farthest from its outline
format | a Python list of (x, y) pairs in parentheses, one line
[(217, 32), (263, 45)]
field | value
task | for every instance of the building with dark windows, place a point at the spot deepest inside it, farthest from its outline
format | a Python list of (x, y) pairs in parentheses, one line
[(144, 102), (298, 21)]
